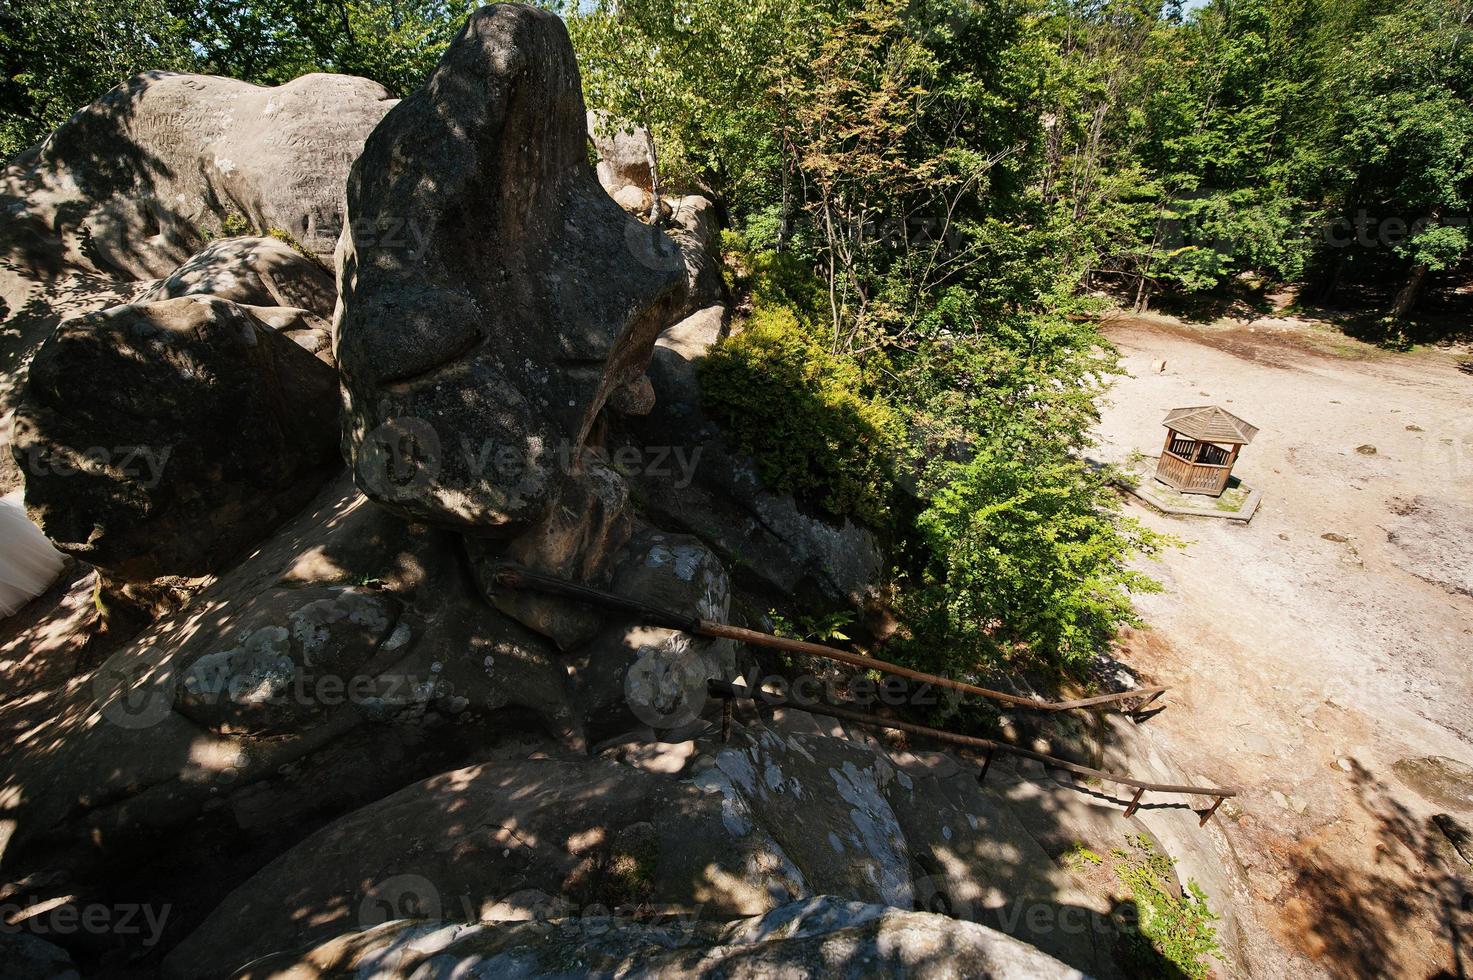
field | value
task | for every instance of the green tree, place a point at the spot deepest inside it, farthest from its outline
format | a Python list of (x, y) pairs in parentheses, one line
[(59, 55), (1399, 140)]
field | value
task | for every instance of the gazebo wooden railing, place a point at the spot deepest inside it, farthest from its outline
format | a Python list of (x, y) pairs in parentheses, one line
[(1194, 459), (1193, 477)]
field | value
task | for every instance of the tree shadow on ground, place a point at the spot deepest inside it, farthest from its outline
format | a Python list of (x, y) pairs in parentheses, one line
[(1341, 912)]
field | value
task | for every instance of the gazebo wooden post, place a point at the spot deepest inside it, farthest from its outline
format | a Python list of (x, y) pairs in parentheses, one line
[(1227, 474)]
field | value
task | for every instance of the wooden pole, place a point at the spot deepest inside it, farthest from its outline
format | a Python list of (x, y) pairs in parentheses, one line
[(515, 577)]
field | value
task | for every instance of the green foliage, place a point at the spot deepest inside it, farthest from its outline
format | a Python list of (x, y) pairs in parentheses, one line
[(815, 629), (801, 411), (1079, 856), (235, 224), (1025, 558), (59, 55), (1176, 929), (289, 240)]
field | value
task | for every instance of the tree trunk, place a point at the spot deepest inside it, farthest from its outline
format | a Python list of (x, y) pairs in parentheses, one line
[(1406, 299), (654, 178)]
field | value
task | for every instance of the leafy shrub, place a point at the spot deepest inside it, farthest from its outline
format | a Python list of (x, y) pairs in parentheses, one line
[(289, 240), (1025, 557), (802, 414), (1176, 929)]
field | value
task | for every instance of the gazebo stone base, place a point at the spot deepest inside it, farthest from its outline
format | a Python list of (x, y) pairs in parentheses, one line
[(1237, 503)]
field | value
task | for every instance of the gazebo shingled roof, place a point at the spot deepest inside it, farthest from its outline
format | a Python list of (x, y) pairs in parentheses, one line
[(1208, 423)]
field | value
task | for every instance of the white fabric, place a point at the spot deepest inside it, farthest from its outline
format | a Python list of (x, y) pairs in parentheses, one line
[(28, 563)]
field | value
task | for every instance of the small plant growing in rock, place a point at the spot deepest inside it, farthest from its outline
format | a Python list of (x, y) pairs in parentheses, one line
[(1173, 933)]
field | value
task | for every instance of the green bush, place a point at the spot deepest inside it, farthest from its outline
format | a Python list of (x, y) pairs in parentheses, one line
[(800, 411), (1027, 559), (1174, 934)]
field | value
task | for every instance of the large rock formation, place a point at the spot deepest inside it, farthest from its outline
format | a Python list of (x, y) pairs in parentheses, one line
[(625, 153), (353, 722), (476, 360), (811, 940), (790, 809), (129, 183), (135, 183), (159, 439)]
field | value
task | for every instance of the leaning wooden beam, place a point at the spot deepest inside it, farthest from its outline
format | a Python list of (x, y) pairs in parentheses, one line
[(724, 689), (515, 577)]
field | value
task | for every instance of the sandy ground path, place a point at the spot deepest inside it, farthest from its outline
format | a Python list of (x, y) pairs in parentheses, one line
[(1305, 668)]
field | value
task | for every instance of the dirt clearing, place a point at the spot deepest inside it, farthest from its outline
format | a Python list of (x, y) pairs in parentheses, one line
[(1311, 651)]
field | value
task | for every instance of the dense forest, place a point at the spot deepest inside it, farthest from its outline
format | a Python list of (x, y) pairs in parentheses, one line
[(927, 205)]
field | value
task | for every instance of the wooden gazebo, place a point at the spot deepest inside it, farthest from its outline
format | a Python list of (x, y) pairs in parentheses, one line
[(1202, 445)]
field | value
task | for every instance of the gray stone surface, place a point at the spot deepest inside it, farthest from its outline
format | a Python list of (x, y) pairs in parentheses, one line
[(526, 285), (253, 272), (599, 834), (210, 429), (1434, 540), (1439, 780), (632, 674), (820, 938), (623, 151), (128, 184)]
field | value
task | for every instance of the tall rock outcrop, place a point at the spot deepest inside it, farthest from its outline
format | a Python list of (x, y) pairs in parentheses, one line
[(477, 354)]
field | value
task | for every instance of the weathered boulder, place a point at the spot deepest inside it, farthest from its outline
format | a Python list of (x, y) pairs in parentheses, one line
[(625, 153), (476, 360), (823, 799), (1442, 781), (253, 272), (28, 957), (132, 185), (632, 675), (578, 539), (209, 430), (595, 833), (786, 809), (258, 683), (776, 548), (128, 183), (381, 665), (696, 215), (703, 282), (822, 937)]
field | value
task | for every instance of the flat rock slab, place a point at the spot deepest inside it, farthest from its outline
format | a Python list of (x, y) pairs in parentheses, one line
[(1433, 541), (820, 937), (1437, 779)]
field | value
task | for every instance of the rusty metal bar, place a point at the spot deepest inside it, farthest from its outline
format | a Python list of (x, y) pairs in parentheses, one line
[(986, 765), (724, 688), (1207, 815), (1135, 803), (515, 577)]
